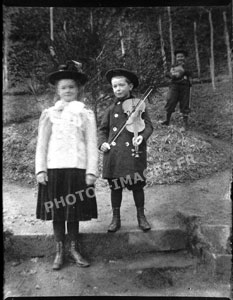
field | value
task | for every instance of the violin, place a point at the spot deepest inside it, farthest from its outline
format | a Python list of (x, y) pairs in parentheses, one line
[(135, 123), (133, 108)]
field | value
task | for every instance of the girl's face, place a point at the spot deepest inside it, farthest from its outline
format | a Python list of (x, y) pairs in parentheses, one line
[(121, 87), (67, 89)]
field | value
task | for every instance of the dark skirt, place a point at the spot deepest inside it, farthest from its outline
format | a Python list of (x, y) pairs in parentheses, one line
[(66, 197)]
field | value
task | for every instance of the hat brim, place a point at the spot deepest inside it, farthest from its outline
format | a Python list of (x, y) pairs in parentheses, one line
[(122, 72), (58, 75)]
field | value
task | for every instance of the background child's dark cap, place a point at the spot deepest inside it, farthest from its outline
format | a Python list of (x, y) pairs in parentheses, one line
[(181, 51), (122, 72), (71, 70)]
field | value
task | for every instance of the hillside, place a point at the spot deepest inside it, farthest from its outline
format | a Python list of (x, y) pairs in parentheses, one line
[(173, 154)]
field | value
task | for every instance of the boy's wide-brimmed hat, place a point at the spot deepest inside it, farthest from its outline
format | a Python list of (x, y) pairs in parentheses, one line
[(71, 70), (122, 72), (181, 51)]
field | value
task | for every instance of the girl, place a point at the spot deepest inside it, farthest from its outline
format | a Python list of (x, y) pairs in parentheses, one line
[(66, 162), (120, 166)]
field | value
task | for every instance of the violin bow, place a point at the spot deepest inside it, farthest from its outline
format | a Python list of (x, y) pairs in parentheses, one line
[(135, 108)]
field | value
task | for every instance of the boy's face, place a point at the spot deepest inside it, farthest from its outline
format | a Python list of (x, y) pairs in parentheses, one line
[(180, 58), (67, 89), (121, 87)]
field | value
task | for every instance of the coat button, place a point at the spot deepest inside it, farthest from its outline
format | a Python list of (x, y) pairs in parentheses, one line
[(116, 115), (114, 129), (127, 144)]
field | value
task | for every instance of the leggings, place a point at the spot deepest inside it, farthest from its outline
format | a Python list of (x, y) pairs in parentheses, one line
[(138, 195), (59, 230)]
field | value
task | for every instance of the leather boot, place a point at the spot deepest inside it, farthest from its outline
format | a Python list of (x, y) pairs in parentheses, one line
[(185, 119), (167, 121), (59, 258), (116, 220), (76, 256), (142, 221)]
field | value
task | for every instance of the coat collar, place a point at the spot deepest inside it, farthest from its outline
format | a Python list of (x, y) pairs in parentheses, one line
[(122, 100)]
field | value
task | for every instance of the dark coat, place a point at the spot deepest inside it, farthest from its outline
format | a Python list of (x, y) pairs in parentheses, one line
[(119, 162)]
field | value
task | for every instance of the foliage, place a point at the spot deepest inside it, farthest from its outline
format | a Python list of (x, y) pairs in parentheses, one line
[(91, 35)]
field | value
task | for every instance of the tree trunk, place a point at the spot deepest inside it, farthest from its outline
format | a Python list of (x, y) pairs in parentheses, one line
[(227, 41), (122, 44), (212, 50), (170, 34), (91, 21), (162, 46), (51, 23), (196, 51), (5, 68)]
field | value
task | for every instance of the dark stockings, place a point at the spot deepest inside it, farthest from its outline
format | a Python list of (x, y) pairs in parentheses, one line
[(59, 230), (116, 197), (138, 195)]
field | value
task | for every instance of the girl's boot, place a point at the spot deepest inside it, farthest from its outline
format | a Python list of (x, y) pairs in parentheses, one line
[(142, 221), (116, 220), (76, 256), (59, 258)]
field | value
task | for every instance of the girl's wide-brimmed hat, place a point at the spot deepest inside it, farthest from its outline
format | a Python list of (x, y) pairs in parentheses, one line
[(71, 70), (181, 51), (122, 72)]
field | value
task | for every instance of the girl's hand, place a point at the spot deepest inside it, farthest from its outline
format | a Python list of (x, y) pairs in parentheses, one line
[(105, 147), (42, 178), (137, 141), (90, 179)]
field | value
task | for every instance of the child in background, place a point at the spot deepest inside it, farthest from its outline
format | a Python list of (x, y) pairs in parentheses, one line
[(67, 162), (179, 89), (120, 166)]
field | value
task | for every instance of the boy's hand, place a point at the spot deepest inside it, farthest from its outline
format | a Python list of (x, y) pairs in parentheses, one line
[(90, 179), (105, 147), (42, 178), (137, 141)]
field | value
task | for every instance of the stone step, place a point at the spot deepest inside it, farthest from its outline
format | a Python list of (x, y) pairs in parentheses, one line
[(106, 245), (156, 260)]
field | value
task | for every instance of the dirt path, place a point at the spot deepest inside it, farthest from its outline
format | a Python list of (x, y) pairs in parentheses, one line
[(208, 197)]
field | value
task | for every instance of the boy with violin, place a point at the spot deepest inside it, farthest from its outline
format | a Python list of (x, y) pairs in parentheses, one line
[(179, 89), (122, 137)]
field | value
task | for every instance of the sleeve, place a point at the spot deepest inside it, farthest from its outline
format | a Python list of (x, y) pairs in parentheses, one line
[(91, 144), (44, 132), (103, 132), (148, 126)]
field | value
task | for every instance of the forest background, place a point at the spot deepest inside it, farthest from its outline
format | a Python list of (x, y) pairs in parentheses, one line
[(38, 39)]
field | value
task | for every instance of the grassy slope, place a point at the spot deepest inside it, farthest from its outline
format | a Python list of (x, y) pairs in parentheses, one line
[(173, 155)]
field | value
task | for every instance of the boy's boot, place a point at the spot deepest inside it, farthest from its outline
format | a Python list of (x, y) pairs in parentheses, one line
[(185, 119), (59, 258), (116, 220), (142, 221), (167, 121), (76, 256)]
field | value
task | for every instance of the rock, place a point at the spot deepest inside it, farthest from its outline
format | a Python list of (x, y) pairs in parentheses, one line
[(15, 263), (112, 261)]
